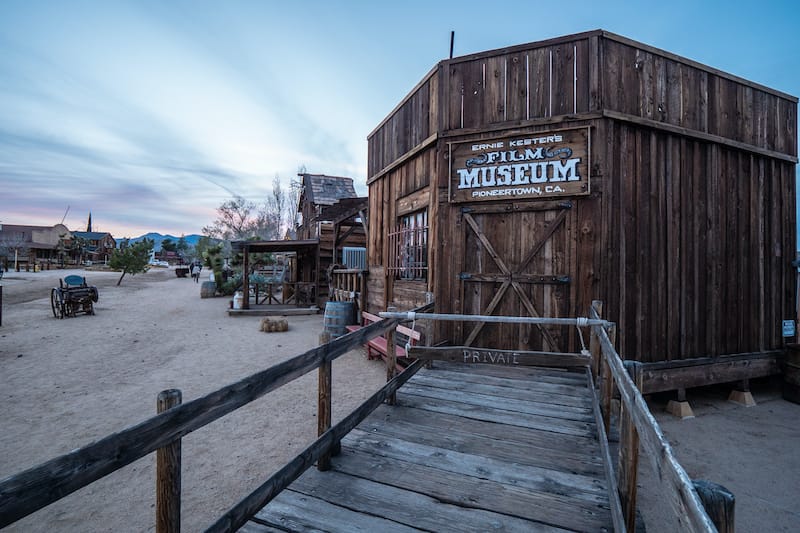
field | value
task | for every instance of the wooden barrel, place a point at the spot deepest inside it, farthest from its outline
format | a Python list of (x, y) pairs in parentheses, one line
[(791, 374), (208, 289), (337, 316)]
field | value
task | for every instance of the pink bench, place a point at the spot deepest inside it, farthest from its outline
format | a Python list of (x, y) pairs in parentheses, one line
[(378, 345)]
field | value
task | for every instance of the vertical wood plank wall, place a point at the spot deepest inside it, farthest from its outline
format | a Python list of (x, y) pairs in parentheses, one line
[(689, 233)]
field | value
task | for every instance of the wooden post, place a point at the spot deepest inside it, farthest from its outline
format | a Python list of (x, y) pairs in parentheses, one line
[(594, 344), (391, 359), (246, 279), (324, 403), (607, 383), (718, 502), (629, 456), (168, 473), (362, 295)]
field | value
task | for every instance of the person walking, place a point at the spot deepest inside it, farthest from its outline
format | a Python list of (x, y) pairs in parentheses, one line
[(196, 268)]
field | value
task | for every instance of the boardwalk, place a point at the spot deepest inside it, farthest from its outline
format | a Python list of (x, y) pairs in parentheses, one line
[(466, 448)]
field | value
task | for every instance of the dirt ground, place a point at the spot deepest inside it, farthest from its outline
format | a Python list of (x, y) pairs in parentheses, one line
[(65, 383), (751, 451)]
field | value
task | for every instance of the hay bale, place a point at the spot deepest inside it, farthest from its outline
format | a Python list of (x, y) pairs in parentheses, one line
[(271, 326)]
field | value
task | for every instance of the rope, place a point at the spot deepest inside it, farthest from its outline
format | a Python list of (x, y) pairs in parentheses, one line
[(582, 322)]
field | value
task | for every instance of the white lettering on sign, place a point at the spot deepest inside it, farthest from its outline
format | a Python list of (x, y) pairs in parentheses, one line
[(487, 146), (547, 165), (519, 174), (491, 357), (533, 166)]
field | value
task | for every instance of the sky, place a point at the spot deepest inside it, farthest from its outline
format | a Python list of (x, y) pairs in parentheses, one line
[(151, 114)]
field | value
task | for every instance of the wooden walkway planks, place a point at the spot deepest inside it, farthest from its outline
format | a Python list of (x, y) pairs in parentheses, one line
[(466, 448)]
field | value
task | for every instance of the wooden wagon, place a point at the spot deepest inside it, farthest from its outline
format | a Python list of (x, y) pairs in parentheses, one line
[(73, 296)]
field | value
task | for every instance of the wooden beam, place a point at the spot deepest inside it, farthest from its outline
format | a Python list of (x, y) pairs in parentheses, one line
[(466, 354), (364, 222), (168, 473), (674, 375), (699, 135), (324, 401), (628, 460), (613, 492), (245, 279), (413, 202), (408, 155), (719, 503), (341, 238)]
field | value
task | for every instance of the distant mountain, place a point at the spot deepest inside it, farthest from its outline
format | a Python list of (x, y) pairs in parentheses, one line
[(191, 240)]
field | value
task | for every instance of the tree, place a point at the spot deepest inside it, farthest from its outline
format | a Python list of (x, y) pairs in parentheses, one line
[(132, 259), (182, 246), (293, 205), (62, 248), (78, 247), (14, 246), (167, 245), (234, 220)]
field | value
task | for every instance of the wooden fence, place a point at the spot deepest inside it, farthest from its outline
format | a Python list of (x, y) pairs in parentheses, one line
[(35, 488), (694, 503), (348, 285)]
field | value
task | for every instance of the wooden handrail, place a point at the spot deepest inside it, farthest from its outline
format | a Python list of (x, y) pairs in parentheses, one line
[(241, 512), (28, 491), (683, 497)]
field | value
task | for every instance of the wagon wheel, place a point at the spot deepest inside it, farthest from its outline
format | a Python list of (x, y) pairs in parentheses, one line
[(56, 303)]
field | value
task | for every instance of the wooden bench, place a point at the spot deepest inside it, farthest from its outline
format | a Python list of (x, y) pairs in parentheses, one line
[(378, 345)]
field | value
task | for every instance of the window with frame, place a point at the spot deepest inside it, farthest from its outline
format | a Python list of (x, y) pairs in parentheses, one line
[(408, 247)]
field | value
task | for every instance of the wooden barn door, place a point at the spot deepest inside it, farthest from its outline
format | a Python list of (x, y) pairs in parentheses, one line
[(517, 263)]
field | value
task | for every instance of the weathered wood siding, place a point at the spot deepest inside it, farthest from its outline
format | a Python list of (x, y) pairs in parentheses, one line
[(698, 241), (688, 233), (517, 85), (644, 82), (411, 122), (403, 190)]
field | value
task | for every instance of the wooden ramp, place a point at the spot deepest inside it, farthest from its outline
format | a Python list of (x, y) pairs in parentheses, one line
[(466, 448)]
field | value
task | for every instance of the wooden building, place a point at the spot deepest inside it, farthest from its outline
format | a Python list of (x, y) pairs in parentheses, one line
[(99, 245), (23, 246), (534, 179), (322, 203)]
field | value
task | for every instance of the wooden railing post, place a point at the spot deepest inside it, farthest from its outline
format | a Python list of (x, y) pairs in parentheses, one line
[(324, 402), (594, 343), (607, 382), (391, 359), (629, 456), (168, 473), (718, 502)]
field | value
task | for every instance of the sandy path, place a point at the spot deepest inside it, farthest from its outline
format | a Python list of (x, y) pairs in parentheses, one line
[(65, 383)]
